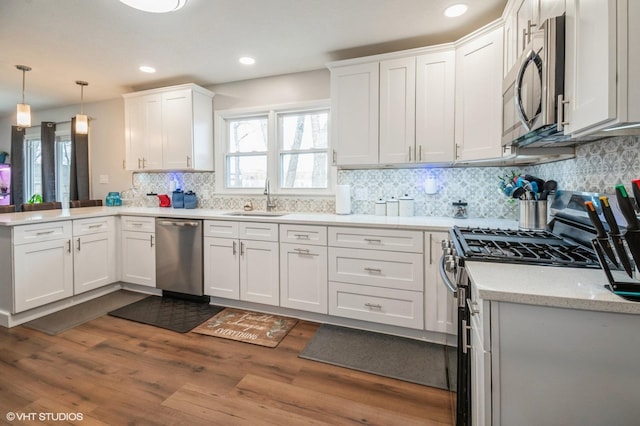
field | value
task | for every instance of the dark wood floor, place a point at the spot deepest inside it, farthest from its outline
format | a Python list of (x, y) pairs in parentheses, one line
[(119, 372)]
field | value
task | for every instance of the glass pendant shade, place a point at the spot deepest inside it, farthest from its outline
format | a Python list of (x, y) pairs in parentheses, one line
[(23, 115), (82, 124)]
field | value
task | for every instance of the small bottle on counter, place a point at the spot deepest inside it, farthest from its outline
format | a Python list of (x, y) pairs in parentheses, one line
[(380, 207), (459, 210), (392, 207)]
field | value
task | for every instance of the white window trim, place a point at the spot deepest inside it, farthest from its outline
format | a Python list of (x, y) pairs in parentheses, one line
[(273, 151)]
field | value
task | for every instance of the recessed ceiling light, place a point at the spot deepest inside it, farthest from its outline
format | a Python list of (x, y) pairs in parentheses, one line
[(147, 69), (247, 60), (455, 10), (155, 6)]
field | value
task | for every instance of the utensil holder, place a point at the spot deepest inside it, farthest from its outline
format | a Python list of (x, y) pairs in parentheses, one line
[(533, 215)]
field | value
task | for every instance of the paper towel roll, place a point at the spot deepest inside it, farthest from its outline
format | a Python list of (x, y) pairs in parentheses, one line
[(343, 199)]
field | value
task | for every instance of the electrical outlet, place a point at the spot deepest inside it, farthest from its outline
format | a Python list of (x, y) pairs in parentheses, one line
[(104, 178)]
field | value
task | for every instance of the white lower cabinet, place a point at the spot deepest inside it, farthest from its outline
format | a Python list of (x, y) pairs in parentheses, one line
[(377, 275), (439, 304), (241, 261), (43, 273), (94, 257), (303, 277), (138, 250)]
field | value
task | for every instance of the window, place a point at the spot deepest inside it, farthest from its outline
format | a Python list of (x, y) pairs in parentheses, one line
[(32, 166), (303, 145), (289, 146), (63, 162)]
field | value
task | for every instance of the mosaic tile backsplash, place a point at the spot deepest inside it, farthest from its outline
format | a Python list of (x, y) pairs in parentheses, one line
[(598, 167)]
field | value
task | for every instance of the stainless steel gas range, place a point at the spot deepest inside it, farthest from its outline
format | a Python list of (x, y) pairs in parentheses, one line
[(567, 242)]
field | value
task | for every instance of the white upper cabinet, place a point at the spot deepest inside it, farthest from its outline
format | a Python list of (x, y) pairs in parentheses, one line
[(354, 114), (397, 110), (478, 117), (602, 61), (435, 106), (169, 129)]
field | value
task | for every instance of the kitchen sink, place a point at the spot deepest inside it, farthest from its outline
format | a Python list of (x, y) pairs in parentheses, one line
[(256, 214)]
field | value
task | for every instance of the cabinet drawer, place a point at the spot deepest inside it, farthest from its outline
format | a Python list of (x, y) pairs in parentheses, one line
[(377, 239), (377, 268), (394, 307), (220, 229), (92, 226), (258, 231), (136, 223), (41, 232), (303, 234)]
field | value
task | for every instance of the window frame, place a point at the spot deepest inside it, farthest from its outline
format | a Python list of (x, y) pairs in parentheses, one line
[(274, 148)]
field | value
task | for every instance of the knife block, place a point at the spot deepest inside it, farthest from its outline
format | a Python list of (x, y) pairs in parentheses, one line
[(628, 290)]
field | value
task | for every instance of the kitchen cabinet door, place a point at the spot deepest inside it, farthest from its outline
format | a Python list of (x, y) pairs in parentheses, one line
[(397, 111), (138, 257), (259, 272), (435, 107), (478, 122), (590, 64), (94, 263), (480, 379), (439, 305), (177, 129), (143, 132), (43, 273), (222, 267), (303, 277), (354, 114)]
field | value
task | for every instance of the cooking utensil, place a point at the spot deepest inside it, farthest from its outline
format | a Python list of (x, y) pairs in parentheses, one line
[(616, 237), (601, 235), (632, 234), (548, 187), (635, 185)]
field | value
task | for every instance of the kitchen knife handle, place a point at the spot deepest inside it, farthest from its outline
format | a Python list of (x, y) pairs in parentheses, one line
[(608, 214), (626, 207), (595, 219), (635, 184)]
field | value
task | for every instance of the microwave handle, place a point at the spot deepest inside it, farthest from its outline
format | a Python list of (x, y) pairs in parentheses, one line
[(522, 115)]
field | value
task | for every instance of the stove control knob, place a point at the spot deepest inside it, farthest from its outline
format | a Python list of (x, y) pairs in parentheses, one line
[(445, 244)]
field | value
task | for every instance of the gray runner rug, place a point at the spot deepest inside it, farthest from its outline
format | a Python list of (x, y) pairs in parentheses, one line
[(86, 311), (400, 358)]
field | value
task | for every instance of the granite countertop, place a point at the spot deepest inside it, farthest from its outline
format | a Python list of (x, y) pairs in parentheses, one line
[(572, 288), (414, 222)]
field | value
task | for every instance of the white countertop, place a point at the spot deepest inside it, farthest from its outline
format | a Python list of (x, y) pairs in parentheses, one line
[(414, 222), (573, 288)]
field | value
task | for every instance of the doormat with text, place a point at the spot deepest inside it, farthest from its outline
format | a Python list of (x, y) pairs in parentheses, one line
[(249, 327)]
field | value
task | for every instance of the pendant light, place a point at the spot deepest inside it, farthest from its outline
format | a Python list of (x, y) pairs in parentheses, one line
[(23, 110), (82, 122)]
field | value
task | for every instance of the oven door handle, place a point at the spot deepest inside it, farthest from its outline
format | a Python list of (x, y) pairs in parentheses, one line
[(445, 278)]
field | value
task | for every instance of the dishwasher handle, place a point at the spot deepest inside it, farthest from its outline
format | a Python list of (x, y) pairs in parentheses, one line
[(179, 223)]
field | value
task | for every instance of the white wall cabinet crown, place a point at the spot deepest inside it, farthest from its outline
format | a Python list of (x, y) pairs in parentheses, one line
[(169, 129)]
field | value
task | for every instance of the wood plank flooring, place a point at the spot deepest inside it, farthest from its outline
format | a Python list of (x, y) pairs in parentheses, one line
[(117, 372)]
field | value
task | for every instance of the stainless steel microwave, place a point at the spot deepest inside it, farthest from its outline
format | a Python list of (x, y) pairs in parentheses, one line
[(531, 89)]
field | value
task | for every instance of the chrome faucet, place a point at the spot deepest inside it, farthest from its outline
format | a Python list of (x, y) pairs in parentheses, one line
[(267, 191)]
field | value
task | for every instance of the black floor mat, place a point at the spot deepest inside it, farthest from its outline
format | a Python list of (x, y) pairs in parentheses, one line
[(167, 312)]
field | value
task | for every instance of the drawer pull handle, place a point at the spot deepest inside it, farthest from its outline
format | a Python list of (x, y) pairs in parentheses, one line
[(301, 251), (373, 270), (44, 232), (95, 226), (69, 246), (151, 240), (78, 241), (136, 224), (234, 250), (373, 240), (373, 305), (301, 236)]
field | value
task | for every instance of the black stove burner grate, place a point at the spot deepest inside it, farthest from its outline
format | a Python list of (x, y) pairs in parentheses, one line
[(526, 247)]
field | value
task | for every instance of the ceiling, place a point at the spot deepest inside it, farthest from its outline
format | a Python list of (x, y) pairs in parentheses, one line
[(104, 41)]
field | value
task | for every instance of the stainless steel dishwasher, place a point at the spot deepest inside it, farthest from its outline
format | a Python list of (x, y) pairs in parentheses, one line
[(179, 256)]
